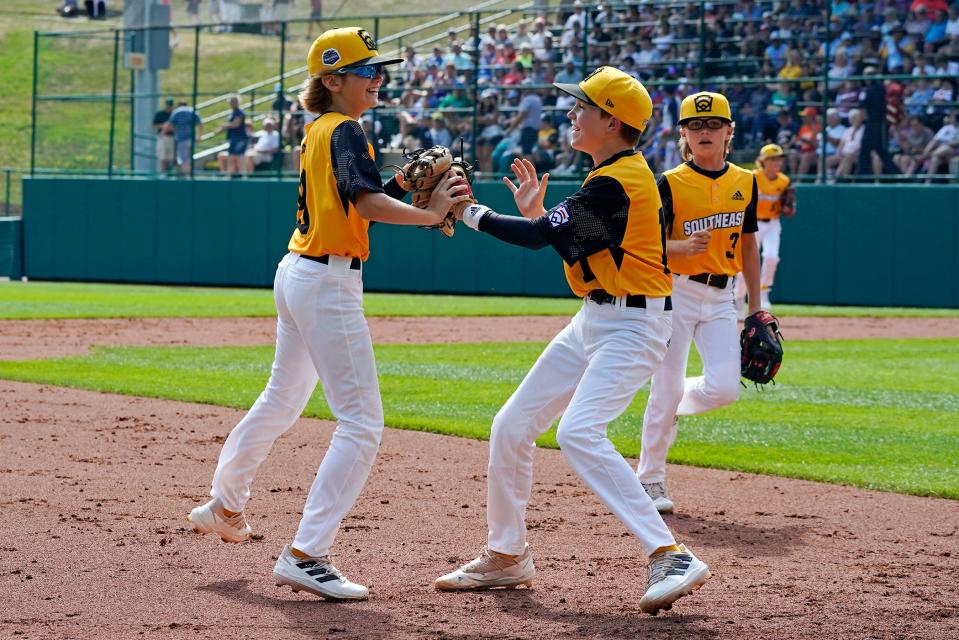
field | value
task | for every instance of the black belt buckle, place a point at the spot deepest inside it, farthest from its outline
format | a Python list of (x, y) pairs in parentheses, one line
[(711, 280), (637, 301), (325, 259)]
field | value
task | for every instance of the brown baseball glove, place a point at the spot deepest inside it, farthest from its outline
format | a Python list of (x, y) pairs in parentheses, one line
[(425, 169)]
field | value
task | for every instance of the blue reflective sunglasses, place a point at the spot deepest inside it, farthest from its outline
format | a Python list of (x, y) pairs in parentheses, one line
[(368, 71)]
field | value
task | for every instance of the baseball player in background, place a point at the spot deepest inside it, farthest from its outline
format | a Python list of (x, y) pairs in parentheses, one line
[(610, 236), (775, 199), (322, 333), (709, 206)]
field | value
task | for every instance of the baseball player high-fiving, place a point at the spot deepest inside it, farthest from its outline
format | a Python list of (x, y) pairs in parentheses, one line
[(610, 236), (709, 207), (322, 334)]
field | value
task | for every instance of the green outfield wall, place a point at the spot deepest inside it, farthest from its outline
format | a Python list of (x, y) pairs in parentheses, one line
[(864, 245), (10, 247)]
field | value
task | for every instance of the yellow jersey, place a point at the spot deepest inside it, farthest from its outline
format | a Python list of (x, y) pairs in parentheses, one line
[(610, 233), (770, 194), (336, 165), (722, 201)]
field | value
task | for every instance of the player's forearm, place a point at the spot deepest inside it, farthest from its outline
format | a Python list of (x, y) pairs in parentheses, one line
[(531, 234), (382, 208), (751, 270)]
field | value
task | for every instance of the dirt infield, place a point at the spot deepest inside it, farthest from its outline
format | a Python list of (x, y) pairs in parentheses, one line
[(26, 339), (96, 488)]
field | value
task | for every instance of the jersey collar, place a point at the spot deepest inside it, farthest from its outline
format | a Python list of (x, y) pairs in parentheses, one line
[(613, 158), (709, 174)]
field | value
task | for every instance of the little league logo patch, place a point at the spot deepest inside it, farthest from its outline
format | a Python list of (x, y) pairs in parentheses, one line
[(704, 104), (558, 216), (331, 57)]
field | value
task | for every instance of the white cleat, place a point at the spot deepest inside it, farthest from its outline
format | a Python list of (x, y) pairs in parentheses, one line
[(210, 518), (490, 570), (657, 493), (317, 576), (672, 575)]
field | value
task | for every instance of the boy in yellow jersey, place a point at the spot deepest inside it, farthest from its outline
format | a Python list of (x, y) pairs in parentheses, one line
[(610, 236), (772, 184), (322, 333), (709, 206)]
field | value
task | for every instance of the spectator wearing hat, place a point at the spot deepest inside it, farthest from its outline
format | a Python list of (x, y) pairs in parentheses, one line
[(237, 137), (805, 153), (537, 36), (458, 58), (521, 37), (165, 145), (491, 131), (918, 22), (187, 127), (264, 150)]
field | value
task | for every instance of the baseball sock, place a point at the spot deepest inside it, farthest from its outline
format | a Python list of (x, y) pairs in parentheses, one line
[(672, 547)]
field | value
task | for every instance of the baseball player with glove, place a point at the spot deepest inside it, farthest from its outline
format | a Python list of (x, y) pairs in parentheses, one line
[(776, 197), (610, 237), (709, 207), (322, 334)]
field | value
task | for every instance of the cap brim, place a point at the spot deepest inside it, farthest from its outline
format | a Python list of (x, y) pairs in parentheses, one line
[(575, 91), (374, 60)]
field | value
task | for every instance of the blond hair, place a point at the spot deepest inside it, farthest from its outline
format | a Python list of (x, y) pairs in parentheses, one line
[(315, 96), (686, 153)]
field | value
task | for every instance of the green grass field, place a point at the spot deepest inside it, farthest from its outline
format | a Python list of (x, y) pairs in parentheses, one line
[(19, 300), (879, 414)]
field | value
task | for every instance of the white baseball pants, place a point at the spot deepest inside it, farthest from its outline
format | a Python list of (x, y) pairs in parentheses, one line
[(704, 315), (322, 335), (589, 373), (767, 237)]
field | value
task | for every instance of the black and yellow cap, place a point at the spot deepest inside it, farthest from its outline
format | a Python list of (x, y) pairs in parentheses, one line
[(771, 151), (705, 104), (343, 48), (615, 92)]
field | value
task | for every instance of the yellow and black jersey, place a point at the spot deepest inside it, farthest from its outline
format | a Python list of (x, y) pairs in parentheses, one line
[(723, 201), (610, 233), (336, 165), (770, 194)]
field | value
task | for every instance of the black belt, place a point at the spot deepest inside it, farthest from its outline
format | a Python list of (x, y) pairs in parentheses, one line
[(325, 259), (637, 301), (711, 280)]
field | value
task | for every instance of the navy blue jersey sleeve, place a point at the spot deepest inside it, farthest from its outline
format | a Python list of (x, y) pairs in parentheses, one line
[(353, 167), (666, 195), (589, 221), (749, 223)]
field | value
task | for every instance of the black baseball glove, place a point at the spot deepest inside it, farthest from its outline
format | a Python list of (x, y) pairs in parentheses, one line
[(761, 344)]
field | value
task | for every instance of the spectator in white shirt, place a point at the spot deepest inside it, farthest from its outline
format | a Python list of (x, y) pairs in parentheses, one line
[(847, 152), (943, 147), (266, 147)]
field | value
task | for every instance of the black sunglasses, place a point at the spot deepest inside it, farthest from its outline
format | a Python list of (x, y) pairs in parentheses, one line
[(709, 123)]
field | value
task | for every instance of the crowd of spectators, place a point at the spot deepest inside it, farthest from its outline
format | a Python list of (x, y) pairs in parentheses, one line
[(769, 58), (790, 46)]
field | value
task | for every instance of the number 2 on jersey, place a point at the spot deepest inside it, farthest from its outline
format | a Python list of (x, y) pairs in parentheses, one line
[(302, 211), (734, 238)]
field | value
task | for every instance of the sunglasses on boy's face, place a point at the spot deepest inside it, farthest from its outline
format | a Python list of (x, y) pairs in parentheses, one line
[(709, 123), (368, 71)]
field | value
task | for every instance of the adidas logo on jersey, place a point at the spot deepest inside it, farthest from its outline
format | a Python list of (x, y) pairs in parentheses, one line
[(738, 195)]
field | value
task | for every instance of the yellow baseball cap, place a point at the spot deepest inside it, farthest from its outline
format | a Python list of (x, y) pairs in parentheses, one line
[(705, 104), (344, 48), (615, 92), (771, 151)]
